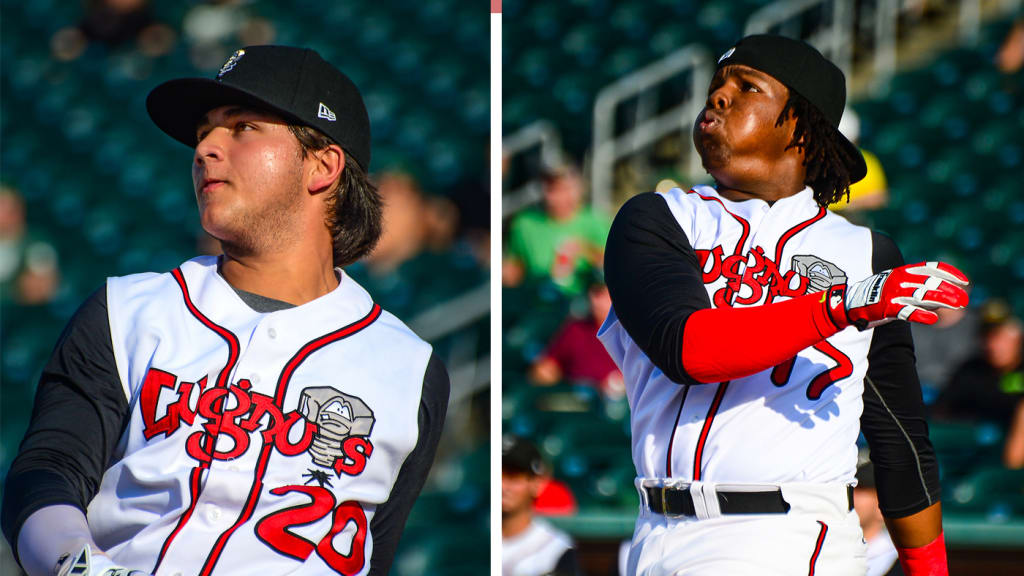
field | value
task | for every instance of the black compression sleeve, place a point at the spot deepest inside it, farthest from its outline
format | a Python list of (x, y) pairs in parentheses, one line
[(567, 564), (654, 279), (390, 517), (893, 422), (79, 415)]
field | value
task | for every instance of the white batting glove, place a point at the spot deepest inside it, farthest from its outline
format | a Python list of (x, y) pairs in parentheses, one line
[(911, 292), (85, 563)]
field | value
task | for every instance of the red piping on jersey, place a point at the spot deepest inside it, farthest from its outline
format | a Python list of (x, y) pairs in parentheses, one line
[(742, 221), (672, 435), (195, 486), (796, 230), (282, 388), (227, 335), (817, 546), (715, 404)]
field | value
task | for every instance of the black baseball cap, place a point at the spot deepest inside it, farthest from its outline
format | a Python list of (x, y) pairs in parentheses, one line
[(521, 455), (294, 82), (805, 71)]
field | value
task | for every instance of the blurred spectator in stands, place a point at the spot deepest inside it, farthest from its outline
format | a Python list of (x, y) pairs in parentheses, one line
[(1013, 448), (1010, 57), (942, 347), (28, 265), (114, 23), (529, 546), (413, 222), (990, 386), (870, 193), (560, 241), (575, 354), (212, 29), (881, 553)]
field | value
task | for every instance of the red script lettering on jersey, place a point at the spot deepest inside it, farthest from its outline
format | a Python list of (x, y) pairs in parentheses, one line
[(759, 274), (234, 412)]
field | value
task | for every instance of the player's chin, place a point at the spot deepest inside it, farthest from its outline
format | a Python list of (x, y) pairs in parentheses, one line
[(713, 155)]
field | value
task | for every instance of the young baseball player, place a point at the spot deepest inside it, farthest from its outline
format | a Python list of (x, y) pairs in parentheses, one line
[(758, 334), (250, 413)]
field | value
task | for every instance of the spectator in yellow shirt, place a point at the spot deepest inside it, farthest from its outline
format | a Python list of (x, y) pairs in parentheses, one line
[(872, 192)]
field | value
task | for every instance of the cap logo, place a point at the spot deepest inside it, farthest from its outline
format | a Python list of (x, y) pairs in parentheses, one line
[(727, 54), (230, 63), (325, 113)]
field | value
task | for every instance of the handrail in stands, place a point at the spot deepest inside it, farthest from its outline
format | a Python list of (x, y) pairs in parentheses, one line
[(650, 125)]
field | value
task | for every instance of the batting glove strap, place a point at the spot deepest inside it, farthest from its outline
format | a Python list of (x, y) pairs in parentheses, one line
[(911, 292), (85, 563)]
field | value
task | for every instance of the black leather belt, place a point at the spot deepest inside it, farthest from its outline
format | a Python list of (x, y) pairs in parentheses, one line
[(679, 502)]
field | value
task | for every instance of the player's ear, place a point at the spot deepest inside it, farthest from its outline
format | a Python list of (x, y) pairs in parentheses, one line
[(324, 167)]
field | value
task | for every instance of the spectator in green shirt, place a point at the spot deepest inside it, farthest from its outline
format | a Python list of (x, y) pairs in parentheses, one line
[(562, 241)]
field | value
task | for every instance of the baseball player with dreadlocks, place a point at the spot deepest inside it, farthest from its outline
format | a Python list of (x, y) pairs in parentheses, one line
[(249, 413), (758, 334)]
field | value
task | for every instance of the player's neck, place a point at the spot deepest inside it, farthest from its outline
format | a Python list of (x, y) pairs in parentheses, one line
[(514, 524), (293, 278), (768, 192)]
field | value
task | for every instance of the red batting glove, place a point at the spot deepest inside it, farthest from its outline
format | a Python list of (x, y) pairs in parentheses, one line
[(928, 560), (911, 292)]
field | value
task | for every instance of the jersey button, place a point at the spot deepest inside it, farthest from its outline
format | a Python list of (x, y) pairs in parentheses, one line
[(255, 378), (213, 514), (272, 333)]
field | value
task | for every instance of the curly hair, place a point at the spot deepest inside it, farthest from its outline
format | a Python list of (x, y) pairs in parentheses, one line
[(824, 155), (354, 207)]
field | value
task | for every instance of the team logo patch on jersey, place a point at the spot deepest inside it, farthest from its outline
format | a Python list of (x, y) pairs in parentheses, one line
[(820, 273), (344, 422), (231, 63)]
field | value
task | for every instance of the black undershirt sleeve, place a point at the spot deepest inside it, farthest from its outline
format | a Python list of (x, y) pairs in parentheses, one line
[(389, 519), (79, 415), (654, 278), (567, 564), (893, 422)]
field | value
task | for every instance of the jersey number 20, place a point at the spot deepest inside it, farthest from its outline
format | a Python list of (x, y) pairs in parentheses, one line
[(274, 529)]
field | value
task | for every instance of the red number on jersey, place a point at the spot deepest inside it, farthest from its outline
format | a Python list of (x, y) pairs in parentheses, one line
[(842, 369), (274, 529)]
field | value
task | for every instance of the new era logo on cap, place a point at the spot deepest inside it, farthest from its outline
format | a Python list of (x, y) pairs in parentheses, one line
[(727, 54), (325, 113)]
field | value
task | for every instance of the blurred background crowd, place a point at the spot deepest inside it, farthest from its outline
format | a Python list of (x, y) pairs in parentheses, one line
[(90, 188), (599, 99)]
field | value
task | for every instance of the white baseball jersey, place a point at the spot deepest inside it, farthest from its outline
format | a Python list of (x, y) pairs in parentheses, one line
[(233, 441), (538, 551), (795, 423)]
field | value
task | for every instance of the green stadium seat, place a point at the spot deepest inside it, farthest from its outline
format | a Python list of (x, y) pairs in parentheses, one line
[(994, 491), (964, 446)]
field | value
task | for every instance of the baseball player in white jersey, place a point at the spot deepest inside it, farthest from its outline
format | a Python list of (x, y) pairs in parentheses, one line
[(249, 413), (759, 333)]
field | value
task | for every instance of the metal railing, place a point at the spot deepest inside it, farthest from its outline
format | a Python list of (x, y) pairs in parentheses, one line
[(540, 135), (649, 124), (833, 37)]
